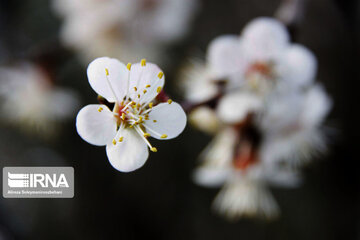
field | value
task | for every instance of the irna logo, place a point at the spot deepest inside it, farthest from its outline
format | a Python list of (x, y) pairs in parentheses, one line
[(20, 180)]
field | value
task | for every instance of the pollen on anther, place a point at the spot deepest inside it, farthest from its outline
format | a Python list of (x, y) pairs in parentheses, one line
[(107, 72), (114, 141), (146, 135), (135, 88), (100, 109), (128, 66), (121, 139), (123, 116), (153, 149), (147, 86), (151, 105), (143, 62), (169, 101), (138, 96), (158, 89), (154, 121), (164, 136), (160, 75), (144, 91)]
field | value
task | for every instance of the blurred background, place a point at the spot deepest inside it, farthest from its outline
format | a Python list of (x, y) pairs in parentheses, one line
[(160, 200)]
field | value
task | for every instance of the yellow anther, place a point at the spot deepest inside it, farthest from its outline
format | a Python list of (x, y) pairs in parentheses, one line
[(151, 105), (143, 62), (107, 72), (100, 109), (121, 139), (140, 119), (138, 95), (146, 135), (154, 120), (164, 136), (158, 89), (169, 101), (131, 126), (135, 88), (148, 86), (138, 105), (144, 91), (127, 112), (114, 141), (133, 103), (153, 149), (160, 75), (146, 117), (128, 66), (123, 116)]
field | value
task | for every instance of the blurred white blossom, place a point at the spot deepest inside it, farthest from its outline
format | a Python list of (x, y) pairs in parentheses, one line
[(261, 59), (137, 113), (256, 94), (125, 29), (29, 99)]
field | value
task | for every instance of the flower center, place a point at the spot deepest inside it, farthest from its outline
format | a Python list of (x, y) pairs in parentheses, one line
[(259, 73)]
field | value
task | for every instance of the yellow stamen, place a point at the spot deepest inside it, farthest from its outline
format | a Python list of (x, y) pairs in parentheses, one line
[(100, 109), (143, 62), (128, 66), (131, 126), (160, 75), (158, 89), (169, 101), (138, 95), (150, 105), (114, 141), (153, 149), (135, 88), (121, 139), (164, 136), (154, 120), (148, 86), (107, 72), (123, 116), (146, 135), (144, 91)]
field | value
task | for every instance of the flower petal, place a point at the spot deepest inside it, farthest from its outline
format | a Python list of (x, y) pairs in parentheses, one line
[(264, 39), (128, 155), (224, 56), (234, 107), (145, 78), (170, 120), (96, 124), (211, 176), (299, 65), (99, 81)]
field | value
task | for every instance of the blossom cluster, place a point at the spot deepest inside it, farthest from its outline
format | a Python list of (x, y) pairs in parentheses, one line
[(256, 94)]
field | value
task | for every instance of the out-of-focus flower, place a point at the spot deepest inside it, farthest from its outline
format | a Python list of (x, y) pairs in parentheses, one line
[(261, 145), (136, 115), (123, 28), (256, 95), (261, 59), (31, 101)]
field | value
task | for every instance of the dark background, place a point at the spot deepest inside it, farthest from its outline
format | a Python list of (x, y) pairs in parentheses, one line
[(159, 200)]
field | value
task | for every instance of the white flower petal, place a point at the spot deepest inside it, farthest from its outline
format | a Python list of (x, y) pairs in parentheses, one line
[(224, 56), (143, 76), (299, 65), (316, 106), (99, 81), (128, 155), (211, 176), (170, 120), (234, 107), (264, 39), (96, 124)]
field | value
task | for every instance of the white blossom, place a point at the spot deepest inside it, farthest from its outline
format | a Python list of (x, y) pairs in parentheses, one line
[(31, 101), (136, 114), (123, 28)]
